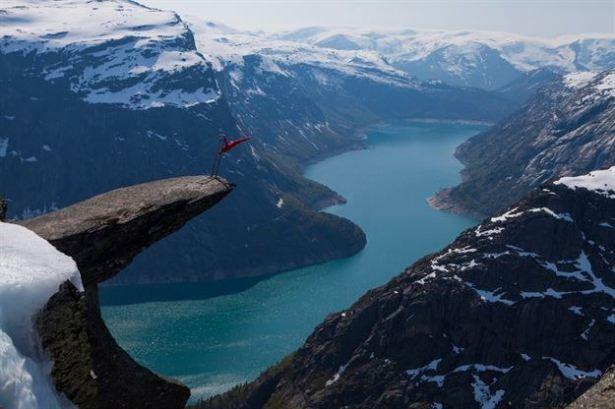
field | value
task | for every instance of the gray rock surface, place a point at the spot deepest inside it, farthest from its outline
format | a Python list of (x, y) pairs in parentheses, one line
[(599, 396), (103, 234)]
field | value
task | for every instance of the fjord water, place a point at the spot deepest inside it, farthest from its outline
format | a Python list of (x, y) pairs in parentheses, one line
[(213, 336)]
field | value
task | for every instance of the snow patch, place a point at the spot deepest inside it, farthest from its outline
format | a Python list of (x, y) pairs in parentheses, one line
[(598, 181), (432, 366), (337, 375), (512, 213), (579, 79), (572, 372), (31, 270), (607, 85), (585, 334), (483, 395)]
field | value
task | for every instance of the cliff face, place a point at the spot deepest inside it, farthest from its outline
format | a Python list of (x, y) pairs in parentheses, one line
[(518, 312), (568, 128), (103, 234)]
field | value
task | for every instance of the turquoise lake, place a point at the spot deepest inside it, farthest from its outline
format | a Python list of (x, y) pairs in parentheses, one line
[(212, 336)]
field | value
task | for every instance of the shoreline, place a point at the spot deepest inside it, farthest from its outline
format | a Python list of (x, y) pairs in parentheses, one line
[(357, 142)]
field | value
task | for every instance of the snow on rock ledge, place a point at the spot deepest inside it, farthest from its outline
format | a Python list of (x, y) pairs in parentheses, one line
[(31, 271), (599, 181)]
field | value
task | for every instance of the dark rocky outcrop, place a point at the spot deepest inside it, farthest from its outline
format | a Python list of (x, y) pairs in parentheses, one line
[(103, 234), (564, 130), (518, 312), (3, 208), (89, 367)]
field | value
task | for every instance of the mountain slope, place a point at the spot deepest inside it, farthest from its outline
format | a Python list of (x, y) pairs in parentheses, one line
[(568, 128), (306, 102), (516, 312), (99, 95)]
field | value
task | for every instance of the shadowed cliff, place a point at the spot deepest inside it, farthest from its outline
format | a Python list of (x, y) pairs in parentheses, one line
[(103, 234)]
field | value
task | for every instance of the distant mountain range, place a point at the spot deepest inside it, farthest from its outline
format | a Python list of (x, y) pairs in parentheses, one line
[(97, 95), (487, 60), (567, 128)]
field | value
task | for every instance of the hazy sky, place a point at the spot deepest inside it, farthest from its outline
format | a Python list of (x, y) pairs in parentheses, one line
[(535, 17)]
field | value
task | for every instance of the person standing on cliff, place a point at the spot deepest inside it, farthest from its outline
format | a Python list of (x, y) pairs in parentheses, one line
[(225, 146)]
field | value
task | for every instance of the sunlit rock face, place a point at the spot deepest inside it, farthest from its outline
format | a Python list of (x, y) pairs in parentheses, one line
[(566, 129)]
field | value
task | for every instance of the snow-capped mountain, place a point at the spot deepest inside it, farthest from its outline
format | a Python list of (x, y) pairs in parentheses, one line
[(96, 95), (116, 52), (568, 128), (224, 47), (278, 88), (469, 58), (100, 94)]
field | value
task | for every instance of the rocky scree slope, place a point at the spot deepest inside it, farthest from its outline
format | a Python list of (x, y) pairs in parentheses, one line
[(95, 95), (103, 234), (568, 128), (517, 312)]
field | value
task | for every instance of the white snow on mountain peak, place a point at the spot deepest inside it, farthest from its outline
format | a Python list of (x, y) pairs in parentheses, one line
[(41, 25), (120, 52), (471, 58), (104, 47), (599, 181), (606, 85), (224, 47), (523, 52)]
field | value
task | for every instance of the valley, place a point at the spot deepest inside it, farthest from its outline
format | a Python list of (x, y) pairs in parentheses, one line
[(338, 258), (212, 342)]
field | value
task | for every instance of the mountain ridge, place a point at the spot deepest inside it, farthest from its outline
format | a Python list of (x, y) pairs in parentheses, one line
[(84, 130), (516, 312), (568, 128)]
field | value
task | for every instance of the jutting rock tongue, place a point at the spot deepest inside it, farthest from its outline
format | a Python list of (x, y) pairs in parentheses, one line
[(103, 234)]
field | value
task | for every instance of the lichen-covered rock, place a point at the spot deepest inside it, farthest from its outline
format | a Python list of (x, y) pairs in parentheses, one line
[(599, 396), (89, 368)]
